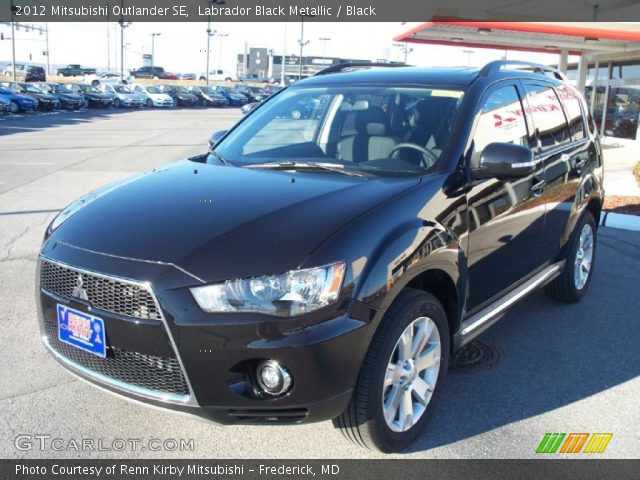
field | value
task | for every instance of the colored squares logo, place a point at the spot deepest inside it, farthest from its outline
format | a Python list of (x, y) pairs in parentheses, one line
[(574, 443)]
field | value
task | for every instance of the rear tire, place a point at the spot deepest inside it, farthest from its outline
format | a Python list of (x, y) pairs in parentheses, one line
[(398, 386), (149, 103), (578, 270)]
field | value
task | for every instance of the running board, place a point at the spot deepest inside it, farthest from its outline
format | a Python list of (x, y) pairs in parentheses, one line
[(478, 323)]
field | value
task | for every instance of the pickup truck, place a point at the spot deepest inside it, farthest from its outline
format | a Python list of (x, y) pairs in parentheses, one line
[(75, 71)]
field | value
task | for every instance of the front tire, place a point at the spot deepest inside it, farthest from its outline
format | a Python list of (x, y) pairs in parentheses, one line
[(401, 377), (574, 281), (14, 107), (149, 103)]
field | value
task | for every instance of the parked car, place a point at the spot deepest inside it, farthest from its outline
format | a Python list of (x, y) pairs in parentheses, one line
[(45, 100), (153, 96), (235, 99), (108, 77), (26, 72), (122, 95), (253, 94), (18, 102), (180, 95), (75, 70), (207, 96), (216, 75), (337, 265), (249, 107), (156, 73), (186, 76), (93, 96), (271, 89), (7, 70), (68, 100), (5, 105), (252, 77)]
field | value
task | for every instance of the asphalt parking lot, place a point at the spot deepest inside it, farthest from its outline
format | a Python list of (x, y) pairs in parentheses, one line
[(562, 368)]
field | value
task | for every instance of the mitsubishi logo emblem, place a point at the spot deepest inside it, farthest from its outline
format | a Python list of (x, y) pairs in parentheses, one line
[(78, 291)]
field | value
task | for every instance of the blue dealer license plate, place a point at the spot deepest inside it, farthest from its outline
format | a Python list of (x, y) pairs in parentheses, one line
[(81, 330)]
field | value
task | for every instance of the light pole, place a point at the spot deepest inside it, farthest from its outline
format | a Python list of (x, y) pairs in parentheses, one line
[(220, 36), (284, 55), (123, 25), (468, 53), (302, 43), (13, 38), (46, 26), (210, 33), (324, 41), (153, 56)]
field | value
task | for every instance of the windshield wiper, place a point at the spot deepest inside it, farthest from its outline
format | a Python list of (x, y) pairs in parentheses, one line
[(331, 167), (221, 158)]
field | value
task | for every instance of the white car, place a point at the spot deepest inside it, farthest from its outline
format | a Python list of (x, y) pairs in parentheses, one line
[(122, 95), (152, 95), (109, 78), (216, 76)]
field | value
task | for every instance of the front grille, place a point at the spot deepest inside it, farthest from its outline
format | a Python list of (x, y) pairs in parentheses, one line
[(161, 374), (106, 294)]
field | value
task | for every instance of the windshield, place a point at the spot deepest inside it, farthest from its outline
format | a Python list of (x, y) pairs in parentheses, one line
[(6, 90), (30, 88), (180, 89), (379, 129), (122, 89), (89, 89)]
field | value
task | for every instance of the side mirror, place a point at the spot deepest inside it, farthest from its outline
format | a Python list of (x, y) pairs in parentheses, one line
[(504, 161), (216, 136)]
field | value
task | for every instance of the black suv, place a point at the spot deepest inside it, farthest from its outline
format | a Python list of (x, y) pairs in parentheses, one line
[(326, 265)]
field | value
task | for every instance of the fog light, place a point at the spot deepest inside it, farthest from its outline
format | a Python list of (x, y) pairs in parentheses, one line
[(273, 378)]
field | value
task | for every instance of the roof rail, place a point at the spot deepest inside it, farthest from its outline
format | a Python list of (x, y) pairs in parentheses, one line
[(339, 67), (497, 65)]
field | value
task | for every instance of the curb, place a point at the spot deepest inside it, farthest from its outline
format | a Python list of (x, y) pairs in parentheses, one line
[(620, 220)]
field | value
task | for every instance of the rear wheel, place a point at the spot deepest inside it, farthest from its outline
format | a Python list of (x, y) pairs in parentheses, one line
[(149, 103), (116, 103), (155, 77), (576, 277), (401, 376)]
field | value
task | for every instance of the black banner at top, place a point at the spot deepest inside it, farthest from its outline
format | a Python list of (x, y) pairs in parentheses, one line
[(312, 10)]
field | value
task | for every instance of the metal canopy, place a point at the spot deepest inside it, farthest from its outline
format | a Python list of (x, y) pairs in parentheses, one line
[(575, 38)]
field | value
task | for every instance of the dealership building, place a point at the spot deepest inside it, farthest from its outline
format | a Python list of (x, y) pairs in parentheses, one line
[(608, 69)]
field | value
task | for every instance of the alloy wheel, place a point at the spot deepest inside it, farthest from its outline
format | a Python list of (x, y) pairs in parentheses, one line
[(14, 107), (583, 258), (411, 375)]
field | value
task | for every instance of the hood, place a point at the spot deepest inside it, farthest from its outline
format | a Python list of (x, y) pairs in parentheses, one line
[(98, 95), (219, 222), (68, 96), (160, 96)]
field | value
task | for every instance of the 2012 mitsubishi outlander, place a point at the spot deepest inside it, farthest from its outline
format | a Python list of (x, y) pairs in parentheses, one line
[(332, 250)]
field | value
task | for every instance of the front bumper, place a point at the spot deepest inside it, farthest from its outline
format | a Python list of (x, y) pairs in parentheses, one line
[(216, 355)]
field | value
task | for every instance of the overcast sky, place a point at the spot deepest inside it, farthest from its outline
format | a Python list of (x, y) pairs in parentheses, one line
[(181, 46)]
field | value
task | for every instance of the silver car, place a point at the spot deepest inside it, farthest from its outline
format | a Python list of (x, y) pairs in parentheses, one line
[(122, 95)]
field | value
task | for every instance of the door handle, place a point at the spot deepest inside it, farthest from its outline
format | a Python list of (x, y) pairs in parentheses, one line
[(537, 186)]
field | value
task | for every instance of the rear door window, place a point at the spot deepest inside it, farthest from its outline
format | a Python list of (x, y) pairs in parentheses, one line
[(548, 117), (571, 102)]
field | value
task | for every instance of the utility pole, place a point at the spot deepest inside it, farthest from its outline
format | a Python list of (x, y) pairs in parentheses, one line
[(153, 52), (13, 39), (221, 36), (46, 32), (122, 27), (324, 41), (108, 40), (284, 55), (302, 43)]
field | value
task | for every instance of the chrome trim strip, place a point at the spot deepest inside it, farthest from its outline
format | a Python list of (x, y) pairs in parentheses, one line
[(155, 262), (491, 311), (188, 400), (126, 387)]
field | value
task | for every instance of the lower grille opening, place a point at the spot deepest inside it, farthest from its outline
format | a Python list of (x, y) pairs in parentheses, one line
[(161, 374)]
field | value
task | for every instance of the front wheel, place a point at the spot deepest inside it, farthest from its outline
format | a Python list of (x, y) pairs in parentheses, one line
[(401, 376), (149, 103), (14, 107), (572, 284)]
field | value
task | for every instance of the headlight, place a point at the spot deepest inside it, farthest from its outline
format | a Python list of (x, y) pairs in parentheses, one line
[(289, 294)]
